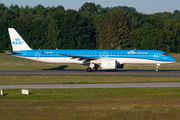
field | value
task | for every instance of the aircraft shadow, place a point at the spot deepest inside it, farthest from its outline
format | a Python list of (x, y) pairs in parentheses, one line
[(65, 66)]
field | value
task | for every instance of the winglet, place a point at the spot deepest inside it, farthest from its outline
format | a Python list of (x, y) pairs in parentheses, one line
[(17, 41)]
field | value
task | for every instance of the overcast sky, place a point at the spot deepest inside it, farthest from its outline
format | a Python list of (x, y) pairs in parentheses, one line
[(143, 6)]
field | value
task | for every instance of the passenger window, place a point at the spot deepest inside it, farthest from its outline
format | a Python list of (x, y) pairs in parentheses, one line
[(97, 53), (48, 53), (116, 53), (93, 53), (83, 53), (163, 54), (73, 53), (89, 53), (77, 53), (45, 53), (119, 54), (113, 54), (86, 53)]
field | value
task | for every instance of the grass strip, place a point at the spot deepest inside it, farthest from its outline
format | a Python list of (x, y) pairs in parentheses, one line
[(13, 80), (95, 103)]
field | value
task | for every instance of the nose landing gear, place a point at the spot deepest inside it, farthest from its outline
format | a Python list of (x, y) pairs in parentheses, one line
[(157, 67)]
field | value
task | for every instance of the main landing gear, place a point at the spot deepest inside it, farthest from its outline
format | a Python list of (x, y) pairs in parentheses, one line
[(89, 69)]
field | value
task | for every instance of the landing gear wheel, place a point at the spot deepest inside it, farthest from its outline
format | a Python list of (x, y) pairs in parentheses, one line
[(157, 67), (88, 69), (94, 69)]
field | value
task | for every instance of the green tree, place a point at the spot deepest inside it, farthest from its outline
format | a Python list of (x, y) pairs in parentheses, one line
[(76, 27), (114, 31), (92, 27), (52, 34), (92, 7), (122, 8), (98, 23), (176, 15)]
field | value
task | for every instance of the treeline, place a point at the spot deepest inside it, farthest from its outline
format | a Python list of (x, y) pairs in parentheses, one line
[(92, 27)]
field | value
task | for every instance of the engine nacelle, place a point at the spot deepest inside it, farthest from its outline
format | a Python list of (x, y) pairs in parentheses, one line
[(108, 64)]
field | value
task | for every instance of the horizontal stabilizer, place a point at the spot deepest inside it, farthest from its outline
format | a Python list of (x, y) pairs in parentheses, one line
[(11, 52)]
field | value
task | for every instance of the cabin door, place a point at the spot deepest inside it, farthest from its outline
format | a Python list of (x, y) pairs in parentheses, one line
[(155, 56), (37, 55), (103, 54)]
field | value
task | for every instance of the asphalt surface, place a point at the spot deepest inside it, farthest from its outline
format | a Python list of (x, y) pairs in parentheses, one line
[(107, 85), (94, 73)]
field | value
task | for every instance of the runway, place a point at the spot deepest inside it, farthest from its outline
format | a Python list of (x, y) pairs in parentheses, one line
[(107, 85), (85, 73)]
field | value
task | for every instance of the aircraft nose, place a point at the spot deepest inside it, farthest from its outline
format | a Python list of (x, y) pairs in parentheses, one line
[(172, 59)]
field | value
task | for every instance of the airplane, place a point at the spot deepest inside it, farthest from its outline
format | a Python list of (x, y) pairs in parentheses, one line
[(106, 59)]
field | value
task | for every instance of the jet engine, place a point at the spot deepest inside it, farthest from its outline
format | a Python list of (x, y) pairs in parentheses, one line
[(108, 64)]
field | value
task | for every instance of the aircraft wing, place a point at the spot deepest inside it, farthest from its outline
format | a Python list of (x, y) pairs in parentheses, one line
[(81, 58)]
